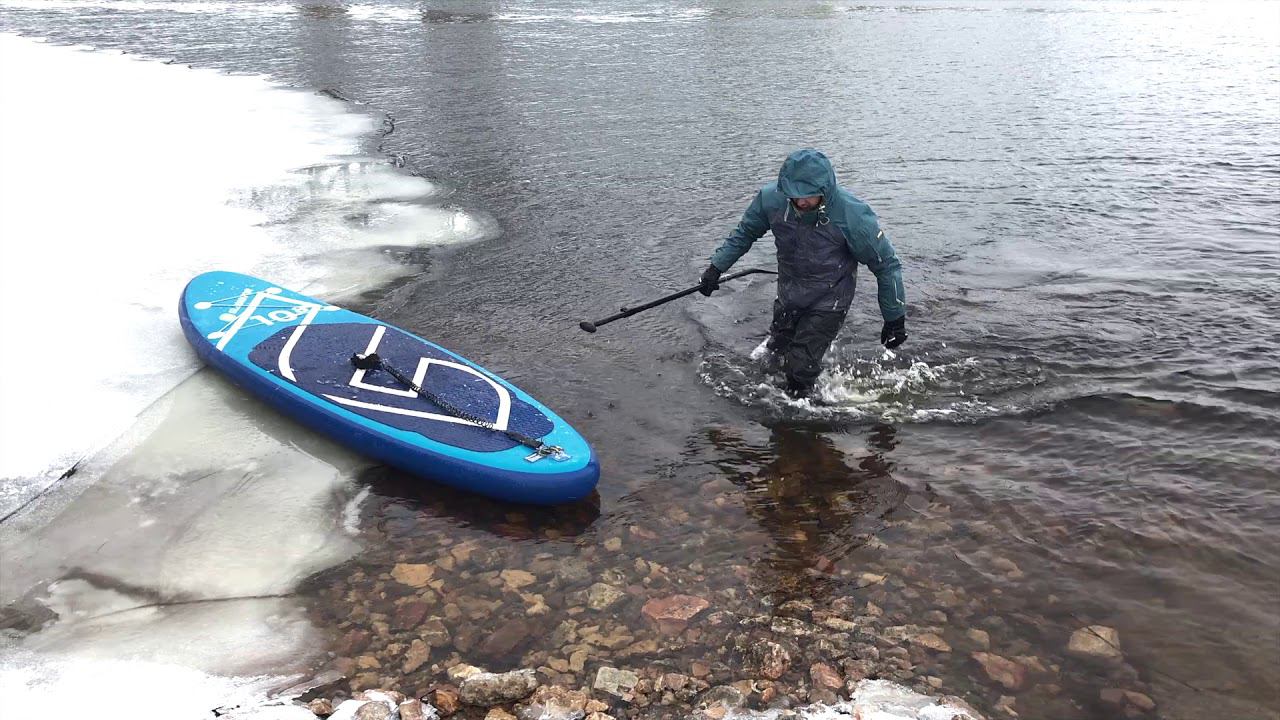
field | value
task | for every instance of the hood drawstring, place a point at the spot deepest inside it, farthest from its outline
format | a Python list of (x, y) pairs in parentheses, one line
[(823, 218)]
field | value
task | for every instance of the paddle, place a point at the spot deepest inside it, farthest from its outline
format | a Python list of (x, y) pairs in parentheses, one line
[(628, 312), (373, 362)]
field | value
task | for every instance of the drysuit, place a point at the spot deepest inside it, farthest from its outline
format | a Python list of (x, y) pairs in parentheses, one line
[(818, 255)]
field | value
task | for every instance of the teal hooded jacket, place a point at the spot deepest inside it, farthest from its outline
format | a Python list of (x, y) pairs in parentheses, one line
[(806, 173)]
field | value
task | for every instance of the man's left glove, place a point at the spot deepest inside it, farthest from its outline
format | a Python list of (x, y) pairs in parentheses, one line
[(894, 333), (710, 280)]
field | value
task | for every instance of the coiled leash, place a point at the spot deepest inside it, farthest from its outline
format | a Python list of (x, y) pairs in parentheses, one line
[(540, 449)]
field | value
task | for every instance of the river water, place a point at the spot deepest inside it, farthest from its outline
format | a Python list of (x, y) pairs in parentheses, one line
[(1084, 427)]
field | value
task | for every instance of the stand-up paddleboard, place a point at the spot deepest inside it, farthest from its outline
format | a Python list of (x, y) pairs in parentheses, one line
[(384, 392)]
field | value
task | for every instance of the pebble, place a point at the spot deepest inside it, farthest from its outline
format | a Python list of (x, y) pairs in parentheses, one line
[(413, 575), (1002, 670), (1096, 642), (615, 682), (672, 614), (980, 638), (486, 689)]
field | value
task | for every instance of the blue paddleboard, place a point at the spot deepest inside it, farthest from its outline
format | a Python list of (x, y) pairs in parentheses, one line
[(294, 352)]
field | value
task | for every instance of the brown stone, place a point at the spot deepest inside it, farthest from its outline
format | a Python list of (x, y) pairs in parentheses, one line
[(671, 615), (446, 700), (771, 659), (417, 656), (1112, 696), (1140, 701), (320, 707), (412, 710), (517, 578), (413, 575), (1002, 670), (353, 643), (1096, 642), (931, 641), (553, 701), (506, 639), (409, 615), (499, 714), (823, 675)]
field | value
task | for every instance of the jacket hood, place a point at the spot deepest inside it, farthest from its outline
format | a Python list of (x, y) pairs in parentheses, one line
[(806, 173)]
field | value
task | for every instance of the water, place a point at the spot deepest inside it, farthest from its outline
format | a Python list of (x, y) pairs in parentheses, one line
[(1084, 196)]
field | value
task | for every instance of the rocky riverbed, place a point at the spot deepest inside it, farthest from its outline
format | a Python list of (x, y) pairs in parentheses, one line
[(509, 609)]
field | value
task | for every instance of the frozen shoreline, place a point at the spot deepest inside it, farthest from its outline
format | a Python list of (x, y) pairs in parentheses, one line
[(163, 570)]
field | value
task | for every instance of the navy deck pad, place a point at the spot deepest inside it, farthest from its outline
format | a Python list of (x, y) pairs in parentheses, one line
[(319, 358)]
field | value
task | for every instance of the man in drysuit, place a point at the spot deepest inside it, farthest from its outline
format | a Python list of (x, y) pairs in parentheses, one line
[(822, 232)]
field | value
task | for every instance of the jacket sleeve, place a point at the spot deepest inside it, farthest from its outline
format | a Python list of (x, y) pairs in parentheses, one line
[(753, 226), (872, 248)]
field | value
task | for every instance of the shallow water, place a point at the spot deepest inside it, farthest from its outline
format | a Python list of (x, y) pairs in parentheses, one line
[(1084, 196)]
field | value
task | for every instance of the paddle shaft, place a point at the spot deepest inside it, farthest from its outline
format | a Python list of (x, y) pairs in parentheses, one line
[(628, 312)]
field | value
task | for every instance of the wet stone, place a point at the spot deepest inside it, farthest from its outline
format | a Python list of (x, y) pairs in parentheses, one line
[(446, 700), (1002, 670), (601, 596), (413, 575), (725, 696), (506, 638), (1096, 642), (825, 676), (672, 614), (412, 710), (486, 689), (552, 702), (615, 682), (770, 659), (979, 638), (409, 615), (517, 578), (417, 656), (932, 642)]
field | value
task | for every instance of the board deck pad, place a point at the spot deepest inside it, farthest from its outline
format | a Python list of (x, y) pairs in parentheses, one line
[(295, 352), (321, 363)]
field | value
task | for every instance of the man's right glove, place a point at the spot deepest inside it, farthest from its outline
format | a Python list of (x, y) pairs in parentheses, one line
[(710, 280), (894, 333)]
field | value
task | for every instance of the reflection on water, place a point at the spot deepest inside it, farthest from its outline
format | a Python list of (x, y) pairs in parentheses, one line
[(814, 507)]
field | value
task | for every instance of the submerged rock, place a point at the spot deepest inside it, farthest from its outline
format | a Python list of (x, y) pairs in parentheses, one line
[(725, 696), (613, 681), (413, 575), (486, 689), (1096, 642), (671, 615), (1002, 670), (600, 596), (770, 659), (552, 702)]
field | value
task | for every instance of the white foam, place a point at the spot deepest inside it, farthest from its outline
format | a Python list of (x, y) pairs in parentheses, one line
[(120, 179)]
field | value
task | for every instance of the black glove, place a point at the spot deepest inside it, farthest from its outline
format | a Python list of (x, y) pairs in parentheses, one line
[(710, 280), (894, 333)]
